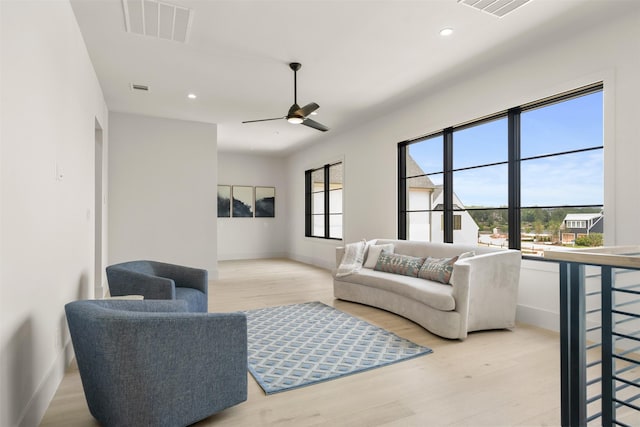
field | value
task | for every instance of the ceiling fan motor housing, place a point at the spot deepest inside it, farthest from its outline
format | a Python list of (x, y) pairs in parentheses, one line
[(294, 115), (297, 115)]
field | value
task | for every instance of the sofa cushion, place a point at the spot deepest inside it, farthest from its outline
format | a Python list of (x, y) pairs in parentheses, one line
[(373, 253), (399, 264), (438, 269), (433, 294)]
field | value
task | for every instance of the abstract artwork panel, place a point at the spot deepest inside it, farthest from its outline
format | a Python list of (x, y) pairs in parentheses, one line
[(265, 202), (242, 206), (224, 201)]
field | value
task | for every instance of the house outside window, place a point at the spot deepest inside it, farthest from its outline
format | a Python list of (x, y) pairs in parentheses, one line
[(424, 195), (577, 228), (323, 201), (457, 222), (529, 178)]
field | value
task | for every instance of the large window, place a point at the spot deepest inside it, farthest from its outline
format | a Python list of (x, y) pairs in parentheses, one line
[(323, 201), (525, 178)]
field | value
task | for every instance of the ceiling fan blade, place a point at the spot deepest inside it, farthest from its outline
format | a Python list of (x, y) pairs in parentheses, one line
[(315, 125), (264, 120), (308, 109)]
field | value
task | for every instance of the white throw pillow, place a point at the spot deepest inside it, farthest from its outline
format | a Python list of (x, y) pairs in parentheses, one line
[(461, 256), (374, 254)]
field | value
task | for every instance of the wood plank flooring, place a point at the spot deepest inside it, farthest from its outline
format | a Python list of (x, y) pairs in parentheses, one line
[(496, 378)]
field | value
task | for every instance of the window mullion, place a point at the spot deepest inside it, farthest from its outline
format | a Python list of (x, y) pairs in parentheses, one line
[(402, 192), (326, 202), (514, 178), (448, 185), (308, 223)]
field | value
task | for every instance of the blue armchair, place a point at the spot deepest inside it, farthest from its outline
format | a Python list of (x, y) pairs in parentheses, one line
[(154, 363), (159, 280)]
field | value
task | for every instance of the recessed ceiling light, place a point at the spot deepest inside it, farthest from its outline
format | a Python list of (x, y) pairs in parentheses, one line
[(192, 96), (446, 31)]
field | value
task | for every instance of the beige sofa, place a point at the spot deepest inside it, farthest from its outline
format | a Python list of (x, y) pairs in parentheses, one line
[(482, 293)]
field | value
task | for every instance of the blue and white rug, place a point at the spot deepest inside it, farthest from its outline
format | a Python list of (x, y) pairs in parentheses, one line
[(297, 345)]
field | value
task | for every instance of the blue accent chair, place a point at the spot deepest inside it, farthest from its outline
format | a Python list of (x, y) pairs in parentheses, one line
[(159, 280), (154, 363)]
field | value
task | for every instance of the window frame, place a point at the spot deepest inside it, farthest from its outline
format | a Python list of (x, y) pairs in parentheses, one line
[(513, 162), (309, 191)]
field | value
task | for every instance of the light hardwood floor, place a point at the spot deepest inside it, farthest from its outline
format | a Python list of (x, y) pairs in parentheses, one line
[(496, 378)]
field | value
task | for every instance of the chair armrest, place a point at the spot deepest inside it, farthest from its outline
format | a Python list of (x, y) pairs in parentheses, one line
[(126, 282), (149, 306), (184, 277)]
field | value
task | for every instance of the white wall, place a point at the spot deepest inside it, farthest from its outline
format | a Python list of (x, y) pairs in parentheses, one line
[(247, 238), (50, 103), (162, 191), (549, 63)]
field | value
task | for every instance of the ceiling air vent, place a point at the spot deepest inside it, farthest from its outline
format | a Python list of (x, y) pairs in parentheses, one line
[(154, 18), (142, 88), (497, 8)]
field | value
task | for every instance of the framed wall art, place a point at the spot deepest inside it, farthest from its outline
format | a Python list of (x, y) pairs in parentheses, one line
[(224, 201), (265, 202), (242, 202)]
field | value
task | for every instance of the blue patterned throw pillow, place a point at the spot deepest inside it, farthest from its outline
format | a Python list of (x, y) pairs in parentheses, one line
[(399, 264), (437, 269)]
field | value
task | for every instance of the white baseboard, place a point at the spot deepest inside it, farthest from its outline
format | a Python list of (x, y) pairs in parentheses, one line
[(312, 261), (538, 317), (258, 255), (39, 403), (551, 321)]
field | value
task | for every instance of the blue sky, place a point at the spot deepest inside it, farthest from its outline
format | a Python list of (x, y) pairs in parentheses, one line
[(573, 179)]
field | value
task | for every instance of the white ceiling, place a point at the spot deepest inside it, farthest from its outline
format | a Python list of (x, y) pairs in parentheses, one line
[(358, 58)]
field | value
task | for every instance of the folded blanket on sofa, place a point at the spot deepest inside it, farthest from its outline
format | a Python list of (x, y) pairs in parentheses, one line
[(352, 259)]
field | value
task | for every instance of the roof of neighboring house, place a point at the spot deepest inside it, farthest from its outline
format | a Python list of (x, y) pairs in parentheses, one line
[(413, 169), (440, 207), (582, 217), (439, 189)]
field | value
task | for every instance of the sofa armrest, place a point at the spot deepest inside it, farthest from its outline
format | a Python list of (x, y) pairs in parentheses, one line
[(485, 288), (339, 255)]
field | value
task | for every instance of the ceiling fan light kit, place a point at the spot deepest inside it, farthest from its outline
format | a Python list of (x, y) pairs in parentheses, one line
[(296, 114)]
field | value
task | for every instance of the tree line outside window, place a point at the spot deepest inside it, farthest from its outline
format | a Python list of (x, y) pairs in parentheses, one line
[(510, 180)]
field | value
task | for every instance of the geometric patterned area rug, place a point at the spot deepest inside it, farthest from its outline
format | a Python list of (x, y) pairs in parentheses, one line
[(297, 345)]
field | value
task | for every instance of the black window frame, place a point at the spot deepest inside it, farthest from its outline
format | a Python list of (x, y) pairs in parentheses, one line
[(308, 227), (513, 162)]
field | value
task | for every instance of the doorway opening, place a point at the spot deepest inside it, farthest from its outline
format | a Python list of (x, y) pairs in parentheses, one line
[(98, 208)]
